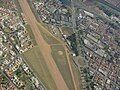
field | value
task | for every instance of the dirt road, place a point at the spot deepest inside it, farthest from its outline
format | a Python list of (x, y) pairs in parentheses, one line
[(44, 47), (70, 67)]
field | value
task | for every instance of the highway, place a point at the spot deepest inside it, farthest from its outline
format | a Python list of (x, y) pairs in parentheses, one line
[(44, 47)]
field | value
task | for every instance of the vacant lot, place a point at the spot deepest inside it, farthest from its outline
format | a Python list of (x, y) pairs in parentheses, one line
[(38, 65), (60, 58), (31, 34), (67, 30), (77, 75), (47, 37), (81, 62)]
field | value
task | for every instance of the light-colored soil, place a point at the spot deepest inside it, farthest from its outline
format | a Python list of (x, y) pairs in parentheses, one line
[(60, 52), (71, 70), (61, 57), (44, 47), (77, 75), (37, 63)]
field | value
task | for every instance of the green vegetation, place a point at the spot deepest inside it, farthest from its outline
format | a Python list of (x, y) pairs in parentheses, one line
[(73, 43), (28, 28), (61, 61), (38, 0), (77, 75), (81, 62), (36, 61), (27, 82), (7, 30), (16, 41), (24, 78), (18, 5), (67, 30), (1, 3), (4, 80), (47, 37), (60, 58)]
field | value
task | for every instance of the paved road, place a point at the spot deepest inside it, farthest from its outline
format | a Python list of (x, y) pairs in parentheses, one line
[(44, 47)]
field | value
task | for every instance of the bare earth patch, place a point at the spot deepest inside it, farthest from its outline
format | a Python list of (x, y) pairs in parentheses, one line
[(60, 52)]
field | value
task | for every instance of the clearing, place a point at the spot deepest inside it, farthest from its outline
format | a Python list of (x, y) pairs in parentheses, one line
[(43, 46), (60, 58), (47, 37), (28, 29), (77, 75), (37, 63)]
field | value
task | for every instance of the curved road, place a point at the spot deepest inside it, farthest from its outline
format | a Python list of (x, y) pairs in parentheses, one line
[(44, 47)]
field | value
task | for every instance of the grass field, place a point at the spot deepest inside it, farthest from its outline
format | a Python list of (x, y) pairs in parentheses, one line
[(76, 75), (67, 30), (18, 5), (48, 38), (81, 62), (30, 34), (7, 30), (60, 58), (2, 4), (36, 61)]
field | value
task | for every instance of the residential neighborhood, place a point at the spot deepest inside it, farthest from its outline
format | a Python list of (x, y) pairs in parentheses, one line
[(59, 45), (14, 40)]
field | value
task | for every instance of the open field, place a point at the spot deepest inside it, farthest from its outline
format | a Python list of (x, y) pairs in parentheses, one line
[(44, 47), (60, 58), (2, 4), (18, 6), (53, 65), (67, 30), (47, 37), (81, 62), (76, 75), (30, 34), (36, 61), (7, 30)]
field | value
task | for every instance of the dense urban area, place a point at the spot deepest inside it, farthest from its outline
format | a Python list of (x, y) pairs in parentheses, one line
[(59, 44)]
